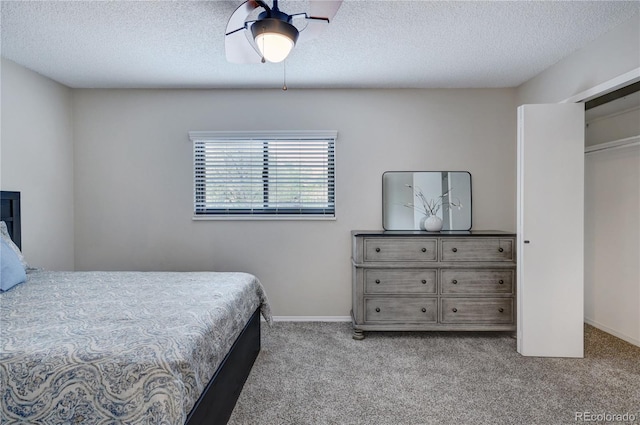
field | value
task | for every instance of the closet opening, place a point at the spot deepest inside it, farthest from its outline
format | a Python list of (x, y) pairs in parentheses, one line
[(612, 213)]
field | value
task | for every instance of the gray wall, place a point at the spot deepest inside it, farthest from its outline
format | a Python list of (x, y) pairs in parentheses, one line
[(37, 159), (133, 164), (133, 177)]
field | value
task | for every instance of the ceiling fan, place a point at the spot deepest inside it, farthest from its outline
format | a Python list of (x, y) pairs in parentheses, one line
[(272, 36)]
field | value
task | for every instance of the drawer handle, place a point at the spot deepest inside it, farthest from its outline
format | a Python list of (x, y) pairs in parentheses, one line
[(377, 280), (377, 309), (424, 281), (455, 282), (500, 249), (455, 310), (424, 249), (454, 249), (501, 310), (377, 249), (424, 310), (501, 282)]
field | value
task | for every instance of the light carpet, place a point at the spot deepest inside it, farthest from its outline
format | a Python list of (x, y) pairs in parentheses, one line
[(315, 373)]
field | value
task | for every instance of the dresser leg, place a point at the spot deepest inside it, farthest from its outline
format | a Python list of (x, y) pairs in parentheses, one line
[(358, 334)]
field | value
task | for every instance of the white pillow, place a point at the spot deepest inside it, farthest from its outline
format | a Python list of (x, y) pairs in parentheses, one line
[(5, 236), (11, 273)]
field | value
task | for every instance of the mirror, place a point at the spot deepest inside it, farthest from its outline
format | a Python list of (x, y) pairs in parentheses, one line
[(403, 208)]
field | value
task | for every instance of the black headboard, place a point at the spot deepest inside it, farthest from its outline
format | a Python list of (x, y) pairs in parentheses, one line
[(10, 214)]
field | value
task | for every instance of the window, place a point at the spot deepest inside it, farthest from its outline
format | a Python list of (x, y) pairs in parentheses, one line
[(264, 174)]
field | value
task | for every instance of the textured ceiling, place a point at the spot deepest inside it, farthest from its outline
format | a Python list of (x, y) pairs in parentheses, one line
[(387, 44)]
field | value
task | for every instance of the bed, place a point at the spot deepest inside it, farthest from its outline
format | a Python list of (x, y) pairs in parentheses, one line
[(125, 347)]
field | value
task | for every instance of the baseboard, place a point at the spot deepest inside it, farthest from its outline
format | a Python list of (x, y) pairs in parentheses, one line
[(612, 332), (311, 318), (348, 319)]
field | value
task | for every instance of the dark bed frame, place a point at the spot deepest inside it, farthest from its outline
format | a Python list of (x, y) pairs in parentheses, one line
[(216, 403), (10, 214)]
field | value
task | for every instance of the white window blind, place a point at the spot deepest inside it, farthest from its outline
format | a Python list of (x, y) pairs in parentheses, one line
[(264, 173)]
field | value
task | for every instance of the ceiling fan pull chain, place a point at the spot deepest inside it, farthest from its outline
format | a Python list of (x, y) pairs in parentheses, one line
[(263, 60), (284, 77)]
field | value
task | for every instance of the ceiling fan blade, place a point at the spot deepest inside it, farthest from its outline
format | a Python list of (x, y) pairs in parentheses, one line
[(240, 15), (321, 12), (313, 29), (239, 49), (324, 8)]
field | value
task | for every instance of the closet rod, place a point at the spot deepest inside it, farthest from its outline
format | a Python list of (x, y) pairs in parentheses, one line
[(616, 144)]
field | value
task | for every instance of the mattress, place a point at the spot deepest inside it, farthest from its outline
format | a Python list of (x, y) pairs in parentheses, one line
[(117, 347)]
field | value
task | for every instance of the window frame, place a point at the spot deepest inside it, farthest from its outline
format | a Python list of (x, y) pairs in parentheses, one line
[(266, 213)]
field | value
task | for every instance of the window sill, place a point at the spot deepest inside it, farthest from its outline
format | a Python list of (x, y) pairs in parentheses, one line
[(263, 218)]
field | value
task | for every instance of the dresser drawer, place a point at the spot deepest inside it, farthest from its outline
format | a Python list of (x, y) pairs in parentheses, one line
[(401, 309), (480, 249), (395, 249), (476, 281), (400, 281), (476, 310)]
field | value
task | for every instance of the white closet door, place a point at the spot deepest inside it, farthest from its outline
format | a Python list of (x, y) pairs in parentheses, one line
[(551, 230)]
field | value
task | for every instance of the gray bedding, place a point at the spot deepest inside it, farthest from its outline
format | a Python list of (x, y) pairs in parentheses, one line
[(117, 347)]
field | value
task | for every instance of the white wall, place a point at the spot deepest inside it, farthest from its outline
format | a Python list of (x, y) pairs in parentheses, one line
[(612, 225), (37, 159), (133, 165), (612, 127), (612, 241), (614, 53), (612, 287)]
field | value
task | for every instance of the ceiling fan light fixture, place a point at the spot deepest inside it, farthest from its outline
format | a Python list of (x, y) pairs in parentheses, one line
[(275, 38)]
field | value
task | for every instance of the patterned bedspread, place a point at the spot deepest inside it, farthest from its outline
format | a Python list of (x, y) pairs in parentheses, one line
[(117, 347)]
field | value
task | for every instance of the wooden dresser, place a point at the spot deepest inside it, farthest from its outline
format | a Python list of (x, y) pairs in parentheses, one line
[(445, 281)]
